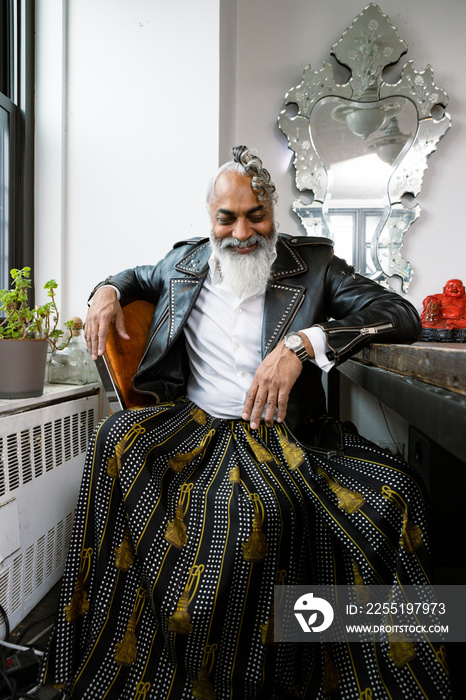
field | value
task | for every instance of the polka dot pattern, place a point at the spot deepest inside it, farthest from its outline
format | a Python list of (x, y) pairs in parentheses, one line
[(216, 515)]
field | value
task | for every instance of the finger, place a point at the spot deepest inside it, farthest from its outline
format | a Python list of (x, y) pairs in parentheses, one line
[(248, 404), (282, 405), (91, 337), (93, 344), (257, 410), (101, 341), (120, 327), (270, 408)]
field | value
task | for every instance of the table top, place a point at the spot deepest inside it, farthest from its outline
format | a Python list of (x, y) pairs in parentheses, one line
[(439, 364)]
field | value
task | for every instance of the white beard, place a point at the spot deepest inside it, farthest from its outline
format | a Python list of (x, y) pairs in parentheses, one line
[(245, 275)]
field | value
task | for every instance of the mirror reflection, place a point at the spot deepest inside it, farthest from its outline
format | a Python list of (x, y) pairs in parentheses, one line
[(361, 147)]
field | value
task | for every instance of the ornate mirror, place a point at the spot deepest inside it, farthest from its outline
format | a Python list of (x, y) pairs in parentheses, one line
[(361, 147)]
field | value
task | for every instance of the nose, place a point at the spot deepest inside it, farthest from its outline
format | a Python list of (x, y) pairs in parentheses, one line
[(242, 230)]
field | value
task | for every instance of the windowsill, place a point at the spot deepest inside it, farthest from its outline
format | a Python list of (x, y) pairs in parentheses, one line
[(53, 393)]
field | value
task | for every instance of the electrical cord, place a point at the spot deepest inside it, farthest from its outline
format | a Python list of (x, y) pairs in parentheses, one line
[(8, 685), (6, 622)]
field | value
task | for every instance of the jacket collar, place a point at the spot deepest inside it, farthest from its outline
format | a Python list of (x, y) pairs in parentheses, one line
[(288, 262), (196, 262)]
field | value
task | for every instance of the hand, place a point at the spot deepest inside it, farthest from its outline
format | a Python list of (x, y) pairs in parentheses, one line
[(104, 310), (272, 384)]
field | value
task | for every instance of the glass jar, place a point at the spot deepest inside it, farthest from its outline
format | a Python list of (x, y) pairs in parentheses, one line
[(73, 364)]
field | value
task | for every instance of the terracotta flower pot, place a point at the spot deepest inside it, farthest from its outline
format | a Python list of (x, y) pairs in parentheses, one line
[(22, 368)]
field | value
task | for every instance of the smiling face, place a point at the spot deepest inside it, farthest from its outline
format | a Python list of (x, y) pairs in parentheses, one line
[(237, 213), (454, 289), (243, 234)]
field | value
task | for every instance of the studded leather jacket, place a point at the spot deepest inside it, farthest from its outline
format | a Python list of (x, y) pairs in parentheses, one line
[(308, 286)]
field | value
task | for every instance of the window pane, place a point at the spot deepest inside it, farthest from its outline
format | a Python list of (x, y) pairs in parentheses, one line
[(4, 197), (371, 222), (342, 227), (5, 48)]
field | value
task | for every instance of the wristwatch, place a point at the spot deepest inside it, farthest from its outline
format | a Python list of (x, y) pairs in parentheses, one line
[(294, 342)]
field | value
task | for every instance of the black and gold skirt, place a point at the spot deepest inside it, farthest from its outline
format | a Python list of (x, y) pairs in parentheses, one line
[(186, 522)]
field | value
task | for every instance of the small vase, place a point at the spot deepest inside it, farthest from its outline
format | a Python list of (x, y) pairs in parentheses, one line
[(73, 364), (22, 368)]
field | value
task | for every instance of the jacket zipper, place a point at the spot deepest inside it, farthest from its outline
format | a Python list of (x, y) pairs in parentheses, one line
[(362, 331), (369, 330), (376, 329)]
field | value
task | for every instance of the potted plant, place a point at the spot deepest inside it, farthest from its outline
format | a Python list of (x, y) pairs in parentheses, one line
[(25, 335)]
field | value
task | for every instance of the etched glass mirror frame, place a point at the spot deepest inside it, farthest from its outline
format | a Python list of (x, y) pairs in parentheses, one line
[(384, 131)]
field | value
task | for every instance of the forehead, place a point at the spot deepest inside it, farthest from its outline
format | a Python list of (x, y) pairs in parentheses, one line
[(233, 191)]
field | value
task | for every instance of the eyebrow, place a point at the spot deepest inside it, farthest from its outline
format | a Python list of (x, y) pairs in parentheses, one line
[(228, 212)]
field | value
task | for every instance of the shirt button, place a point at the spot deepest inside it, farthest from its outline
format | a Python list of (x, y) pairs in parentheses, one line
[(238, 310), (243, 374), (238, 345)]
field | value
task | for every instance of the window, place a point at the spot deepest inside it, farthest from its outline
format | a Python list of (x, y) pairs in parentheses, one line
[(353, 234), (16, 136)]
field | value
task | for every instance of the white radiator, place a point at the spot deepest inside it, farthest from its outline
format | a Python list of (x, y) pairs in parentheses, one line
[(41, 461)]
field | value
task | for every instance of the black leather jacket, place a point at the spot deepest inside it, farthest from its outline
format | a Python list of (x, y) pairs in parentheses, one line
[(309, 286)]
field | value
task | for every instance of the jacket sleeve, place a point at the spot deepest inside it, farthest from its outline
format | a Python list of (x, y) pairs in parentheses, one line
[(361, 311), (147, 281), (142, 282)]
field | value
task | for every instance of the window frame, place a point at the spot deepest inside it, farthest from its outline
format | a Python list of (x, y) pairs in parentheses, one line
[(17, 99)]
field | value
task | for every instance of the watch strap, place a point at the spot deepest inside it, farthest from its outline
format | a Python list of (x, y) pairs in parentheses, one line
[(302, 354)]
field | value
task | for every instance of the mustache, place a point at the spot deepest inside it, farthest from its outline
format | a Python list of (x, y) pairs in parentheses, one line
[(231, 242)]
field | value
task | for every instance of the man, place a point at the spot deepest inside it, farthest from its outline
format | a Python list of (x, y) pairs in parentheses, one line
[(192, 509)]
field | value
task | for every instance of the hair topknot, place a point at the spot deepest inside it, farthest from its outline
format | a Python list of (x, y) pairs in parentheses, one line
[(246, 162), (237, 152)]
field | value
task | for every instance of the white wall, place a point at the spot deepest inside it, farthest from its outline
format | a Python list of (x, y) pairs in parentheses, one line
[(127, 115)]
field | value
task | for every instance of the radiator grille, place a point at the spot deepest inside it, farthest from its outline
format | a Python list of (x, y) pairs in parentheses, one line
[(41, 460), (24, 454)]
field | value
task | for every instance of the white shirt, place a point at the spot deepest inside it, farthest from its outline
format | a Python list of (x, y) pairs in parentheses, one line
[(223, 341)]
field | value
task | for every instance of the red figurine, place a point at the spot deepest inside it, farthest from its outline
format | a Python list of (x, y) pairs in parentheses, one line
[(445, 311)]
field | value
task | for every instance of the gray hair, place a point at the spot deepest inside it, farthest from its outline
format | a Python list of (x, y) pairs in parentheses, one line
[(246, 162)]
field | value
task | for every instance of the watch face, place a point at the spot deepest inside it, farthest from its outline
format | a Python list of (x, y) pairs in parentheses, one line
[(294, 342)]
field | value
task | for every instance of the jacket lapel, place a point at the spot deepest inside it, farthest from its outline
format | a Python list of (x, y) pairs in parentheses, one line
[(185, 288), (282, 299)]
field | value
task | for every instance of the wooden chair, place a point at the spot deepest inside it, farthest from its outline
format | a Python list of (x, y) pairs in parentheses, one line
[(121, 360)]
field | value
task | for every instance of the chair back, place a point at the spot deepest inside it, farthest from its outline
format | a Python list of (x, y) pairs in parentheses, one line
[(121, 360)]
